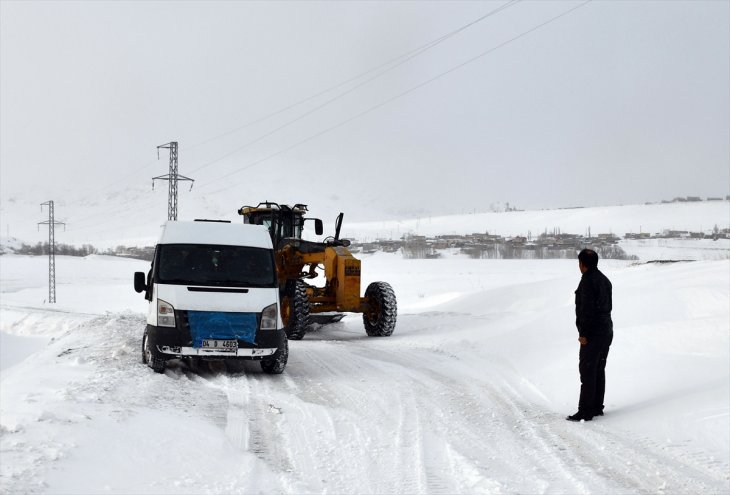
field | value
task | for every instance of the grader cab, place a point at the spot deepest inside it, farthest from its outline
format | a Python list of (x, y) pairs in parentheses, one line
[(299, 260)]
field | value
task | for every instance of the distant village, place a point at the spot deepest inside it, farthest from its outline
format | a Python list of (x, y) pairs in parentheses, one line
[(548, 245), (691, 199), (554, 245)]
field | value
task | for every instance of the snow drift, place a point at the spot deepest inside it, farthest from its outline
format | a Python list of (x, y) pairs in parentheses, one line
[(469, 394)]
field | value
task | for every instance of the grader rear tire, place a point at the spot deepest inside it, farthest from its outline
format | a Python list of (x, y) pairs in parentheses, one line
[(297, 307), (382, 311)]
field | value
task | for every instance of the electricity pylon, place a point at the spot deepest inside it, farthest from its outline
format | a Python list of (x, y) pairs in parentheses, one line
[(51, 222), (172, 177)]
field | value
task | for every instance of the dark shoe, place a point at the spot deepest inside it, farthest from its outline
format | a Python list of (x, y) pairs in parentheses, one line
[(598, 413), (579, 416)]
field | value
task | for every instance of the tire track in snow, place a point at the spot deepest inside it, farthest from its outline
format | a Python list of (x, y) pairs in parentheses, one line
[(414, 459), (343, 428), (265, 440), (336, 395), (617, 461), (474, 425), (455, 423), (409, 440), (369, 414), (557, 455), (374, 414)]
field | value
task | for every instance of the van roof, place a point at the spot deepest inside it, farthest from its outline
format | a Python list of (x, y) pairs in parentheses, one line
[(227, 234)]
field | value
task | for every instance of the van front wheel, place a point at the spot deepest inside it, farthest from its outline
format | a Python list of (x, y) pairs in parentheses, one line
[(277, 362), (151, 356)]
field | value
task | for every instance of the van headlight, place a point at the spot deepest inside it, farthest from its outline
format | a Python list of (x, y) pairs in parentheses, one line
[(165, 314), (269, 317)]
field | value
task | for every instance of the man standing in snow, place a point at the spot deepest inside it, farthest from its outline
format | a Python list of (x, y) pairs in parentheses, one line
[(595, 334)]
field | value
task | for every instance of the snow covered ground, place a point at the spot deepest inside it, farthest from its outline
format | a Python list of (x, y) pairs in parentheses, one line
[(469, 395), (677, 249)]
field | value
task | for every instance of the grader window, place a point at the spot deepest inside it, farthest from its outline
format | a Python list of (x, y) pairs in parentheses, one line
[(297, 229)]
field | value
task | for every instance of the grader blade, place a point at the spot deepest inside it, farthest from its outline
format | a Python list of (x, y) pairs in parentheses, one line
[(325, 318)]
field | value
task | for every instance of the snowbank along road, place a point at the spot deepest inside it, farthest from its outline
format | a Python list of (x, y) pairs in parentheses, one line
[(469, 395)]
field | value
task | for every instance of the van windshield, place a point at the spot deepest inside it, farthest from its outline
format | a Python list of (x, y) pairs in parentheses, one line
[(200, 264)]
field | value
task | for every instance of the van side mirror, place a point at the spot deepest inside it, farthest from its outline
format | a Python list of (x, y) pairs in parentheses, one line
[(318, 227), (139, 282)]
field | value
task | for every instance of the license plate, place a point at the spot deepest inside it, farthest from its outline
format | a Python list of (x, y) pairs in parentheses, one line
[(220, 345)]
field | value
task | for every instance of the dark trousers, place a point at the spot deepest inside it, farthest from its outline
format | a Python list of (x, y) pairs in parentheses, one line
[(592, 367)]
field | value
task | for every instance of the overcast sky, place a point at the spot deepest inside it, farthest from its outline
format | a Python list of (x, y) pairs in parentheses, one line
[(614, 102)]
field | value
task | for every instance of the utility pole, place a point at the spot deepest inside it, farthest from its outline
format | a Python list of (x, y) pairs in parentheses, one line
[(51, 222), (172, 177)]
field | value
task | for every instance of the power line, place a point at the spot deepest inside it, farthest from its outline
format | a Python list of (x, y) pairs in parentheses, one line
[(116, 212), (173, 177), (393, 98), (387, 66), (401, 60), (396, 97), (131, 174)]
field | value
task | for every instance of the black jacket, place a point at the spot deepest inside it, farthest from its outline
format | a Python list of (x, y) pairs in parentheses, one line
[(593, 305)]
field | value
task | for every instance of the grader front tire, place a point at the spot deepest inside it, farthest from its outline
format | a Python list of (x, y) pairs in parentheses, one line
[(380, 317), (297, 303)]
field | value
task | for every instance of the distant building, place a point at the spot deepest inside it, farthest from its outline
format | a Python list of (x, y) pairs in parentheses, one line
[(640, 235), (676, 234)]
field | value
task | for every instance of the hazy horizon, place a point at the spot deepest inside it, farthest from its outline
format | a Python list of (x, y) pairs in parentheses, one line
[(376, 109)]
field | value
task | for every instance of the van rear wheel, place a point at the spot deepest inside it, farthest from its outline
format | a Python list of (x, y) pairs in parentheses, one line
[(151, 356)]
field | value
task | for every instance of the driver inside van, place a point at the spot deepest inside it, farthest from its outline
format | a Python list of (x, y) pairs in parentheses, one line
[(175, 267)]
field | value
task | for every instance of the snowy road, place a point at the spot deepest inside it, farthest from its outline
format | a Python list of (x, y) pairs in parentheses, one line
[(468, 396)]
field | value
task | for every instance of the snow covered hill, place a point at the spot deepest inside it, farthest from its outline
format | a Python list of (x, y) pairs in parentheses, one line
[(133, 218), (619, 220), (469, 395)]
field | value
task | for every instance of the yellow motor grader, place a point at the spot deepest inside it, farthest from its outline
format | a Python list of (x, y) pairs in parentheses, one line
[(299, 260)]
